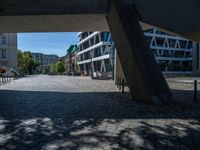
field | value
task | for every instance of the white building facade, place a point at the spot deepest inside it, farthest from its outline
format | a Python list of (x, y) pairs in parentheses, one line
[(96, 51), (8, 50), (173, 53)]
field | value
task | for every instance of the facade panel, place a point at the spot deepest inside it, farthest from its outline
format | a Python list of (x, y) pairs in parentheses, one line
[(96, 54)]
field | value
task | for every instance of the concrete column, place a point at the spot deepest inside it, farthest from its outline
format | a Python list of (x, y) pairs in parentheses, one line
[(84, 63), (93, 68), (196, 59), (119, 74), (142, 73)]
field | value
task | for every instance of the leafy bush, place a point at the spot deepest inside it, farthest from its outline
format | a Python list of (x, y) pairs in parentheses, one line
[(57, 68)]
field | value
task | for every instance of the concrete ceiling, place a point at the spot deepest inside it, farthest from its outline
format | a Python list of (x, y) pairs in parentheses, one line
[(53, 15), (177, 16)]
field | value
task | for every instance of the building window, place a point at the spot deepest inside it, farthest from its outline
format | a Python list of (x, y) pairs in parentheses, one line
[(3, 53), (108, 65), (3, 40), (97, 39)]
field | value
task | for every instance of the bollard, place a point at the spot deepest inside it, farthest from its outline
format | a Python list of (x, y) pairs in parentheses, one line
[(195, 90), (120, 84), (123, 84)]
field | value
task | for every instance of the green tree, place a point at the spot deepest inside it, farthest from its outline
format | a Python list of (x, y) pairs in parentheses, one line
[(53, 69), (60, 67), (27, 64), (57, 68), (19, 55), (76, 67)]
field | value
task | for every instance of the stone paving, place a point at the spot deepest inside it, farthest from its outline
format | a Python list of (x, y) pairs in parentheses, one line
[(58, 113)]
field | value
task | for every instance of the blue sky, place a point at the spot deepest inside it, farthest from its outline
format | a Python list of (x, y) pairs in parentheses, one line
[(47, 43)]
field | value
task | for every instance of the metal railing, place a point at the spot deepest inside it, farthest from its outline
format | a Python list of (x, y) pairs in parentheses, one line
[(5, 79)]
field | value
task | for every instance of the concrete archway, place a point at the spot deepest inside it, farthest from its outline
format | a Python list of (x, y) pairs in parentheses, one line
[(124, 18)]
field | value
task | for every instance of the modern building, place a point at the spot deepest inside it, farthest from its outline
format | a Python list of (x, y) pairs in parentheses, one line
[(8, 51), (96, 51), (44, 61), (173, 53), (71, 60)]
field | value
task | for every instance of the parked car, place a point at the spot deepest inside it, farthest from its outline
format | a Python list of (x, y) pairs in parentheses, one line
[(11, 72)]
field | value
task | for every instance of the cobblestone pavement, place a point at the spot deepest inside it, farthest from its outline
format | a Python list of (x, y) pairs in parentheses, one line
[(50, 113)]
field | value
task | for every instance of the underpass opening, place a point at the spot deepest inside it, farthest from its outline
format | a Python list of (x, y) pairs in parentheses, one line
[(59, 112)]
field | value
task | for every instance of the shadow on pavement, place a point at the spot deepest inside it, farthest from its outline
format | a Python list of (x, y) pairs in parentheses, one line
[(52, 120)]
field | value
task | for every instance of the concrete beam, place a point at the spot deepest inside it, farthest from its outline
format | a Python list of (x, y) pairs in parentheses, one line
[(144, 78), (52, 7), (53, 15), (53, 23)]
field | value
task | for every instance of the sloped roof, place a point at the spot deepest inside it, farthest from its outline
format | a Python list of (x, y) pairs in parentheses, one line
[(72, 49)]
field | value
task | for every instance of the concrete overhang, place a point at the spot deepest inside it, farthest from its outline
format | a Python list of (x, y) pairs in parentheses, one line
[(53, 23), (177, 16), (53, 15)]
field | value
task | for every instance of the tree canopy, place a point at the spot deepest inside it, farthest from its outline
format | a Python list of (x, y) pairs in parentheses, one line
[(58, 68), (26, 63)]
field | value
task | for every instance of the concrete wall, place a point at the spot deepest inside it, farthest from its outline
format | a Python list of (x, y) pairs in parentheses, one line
[(196, 59), (119, 74)]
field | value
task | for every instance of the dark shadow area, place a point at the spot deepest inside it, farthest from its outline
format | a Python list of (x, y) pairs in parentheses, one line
[(53, 120), (94, 105)]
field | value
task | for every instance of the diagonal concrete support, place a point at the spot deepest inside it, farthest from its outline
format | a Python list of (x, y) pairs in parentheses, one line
[(143, 75)]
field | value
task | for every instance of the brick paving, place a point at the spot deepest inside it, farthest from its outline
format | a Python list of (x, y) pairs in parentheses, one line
[(58, 113)]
